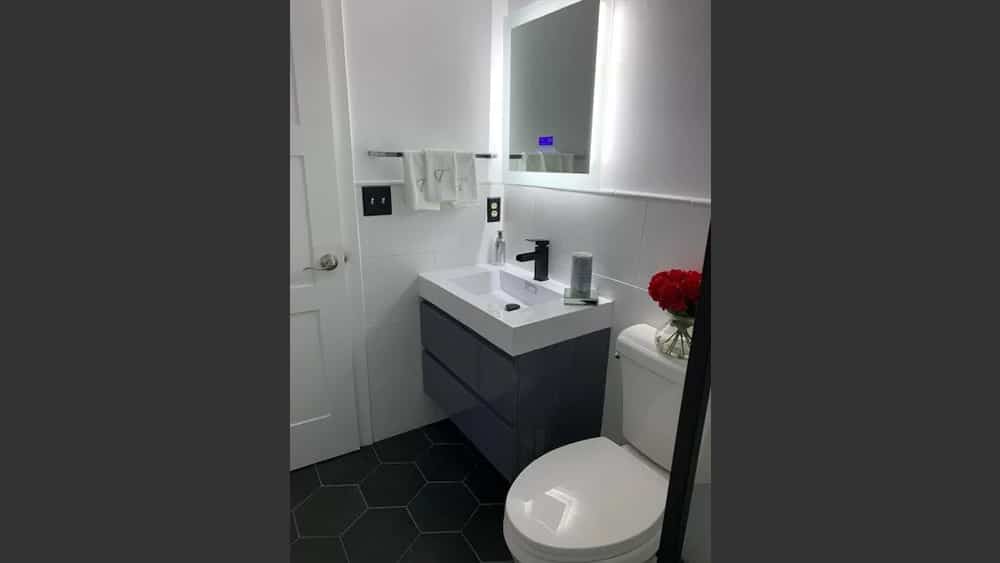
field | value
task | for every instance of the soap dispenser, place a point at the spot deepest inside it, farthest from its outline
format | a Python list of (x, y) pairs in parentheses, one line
[(499, 250)]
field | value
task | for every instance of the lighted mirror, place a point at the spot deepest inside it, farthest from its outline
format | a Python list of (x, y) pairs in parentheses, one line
[(553, 72)]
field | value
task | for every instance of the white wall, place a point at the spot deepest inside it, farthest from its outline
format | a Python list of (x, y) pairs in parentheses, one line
[(658, 119), (418, 76)]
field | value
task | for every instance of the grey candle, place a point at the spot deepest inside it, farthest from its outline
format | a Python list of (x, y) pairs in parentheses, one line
[(581, 272)]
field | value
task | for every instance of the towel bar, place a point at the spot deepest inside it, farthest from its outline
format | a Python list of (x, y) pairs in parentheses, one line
[(397, 154)]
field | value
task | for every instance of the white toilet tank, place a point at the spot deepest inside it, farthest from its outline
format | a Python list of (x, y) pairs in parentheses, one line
[(652, 385)]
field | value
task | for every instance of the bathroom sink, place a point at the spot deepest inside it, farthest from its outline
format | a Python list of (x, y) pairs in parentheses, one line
[(479, 296)]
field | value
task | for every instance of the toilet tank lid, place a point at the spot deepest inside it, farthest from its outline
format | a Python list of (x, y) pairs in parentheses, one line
[(637, 344)]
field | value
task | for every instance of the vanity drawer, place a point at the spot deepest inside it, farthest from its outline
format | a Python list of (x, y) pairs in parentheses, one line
[(498, 382), (493, 438), (451, 343)]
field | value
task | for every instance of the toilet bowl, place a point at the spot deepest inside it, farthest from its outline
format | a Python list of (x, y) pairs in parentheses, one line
[(591, 500), (595, 501)]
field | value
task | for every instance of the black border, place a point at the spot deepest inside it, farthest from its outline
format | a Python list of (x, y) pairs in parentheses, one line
[(853, 167), (146, 202), (691, 422)]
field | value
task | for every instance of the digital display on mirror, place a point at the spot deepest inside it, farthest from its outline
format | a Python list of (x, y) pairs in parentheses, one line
[(546, 141)]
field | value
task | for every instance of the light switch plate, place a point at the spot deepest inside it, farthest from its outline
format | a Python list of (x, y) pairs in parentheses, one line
[(492, 209), (376, 200)]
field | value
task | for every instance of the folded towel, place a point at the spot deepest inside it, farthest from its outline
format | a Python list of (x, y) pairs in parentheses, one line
[(441, 183), (465, 174), (533, 162), (415, 182), (552, 162), (567, 162)]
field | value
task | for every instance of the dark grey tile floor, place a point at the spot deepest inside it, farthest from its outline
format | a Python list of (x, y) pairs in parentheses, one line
[(424, 496)]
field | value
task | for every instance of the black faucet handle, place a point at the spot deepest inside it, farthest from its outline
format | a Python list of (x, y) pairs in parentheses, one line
[(538, 241)]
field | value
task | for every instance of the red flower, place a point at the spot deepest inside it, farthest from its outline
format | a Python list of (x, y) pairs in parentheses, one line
[(676, 291), (691, 286), (656, 284)]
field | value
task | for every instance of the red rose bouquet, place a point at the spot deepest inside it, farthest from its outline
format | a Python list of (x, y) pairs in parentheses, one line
[(676, 291)]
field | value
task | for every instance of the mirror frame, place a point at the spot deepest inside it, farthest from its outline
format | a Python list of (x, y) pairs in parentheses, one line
[(562, 180)]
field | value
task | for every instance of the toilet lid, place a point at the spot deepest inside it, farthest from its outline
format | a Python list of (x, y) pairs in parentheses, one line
[(586, 501)]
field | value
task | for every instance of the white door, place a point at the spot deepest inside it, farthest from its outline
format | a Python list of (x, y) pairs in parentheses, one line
[(324, 420)]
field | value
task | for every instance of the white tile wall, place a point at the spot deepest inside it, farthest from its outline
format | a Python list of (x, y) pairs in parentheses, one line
[(658, 119), (395, 379), (631, 239), (403, 232), (391, 287), (605, 226), (518, 203), (418, 77), (668, 230)]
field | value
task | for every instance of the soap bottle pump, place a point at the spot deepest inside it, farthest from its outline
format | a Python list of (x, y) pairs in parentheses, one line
[(499, 250)]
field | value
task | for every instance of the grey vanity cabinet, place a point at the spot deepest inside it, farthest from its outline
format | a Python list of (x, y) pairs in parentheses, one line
[(514, 408)]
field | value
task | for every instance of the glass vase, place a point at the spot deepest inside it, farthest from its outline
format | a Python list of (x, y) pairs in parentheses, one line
[(674, 337)]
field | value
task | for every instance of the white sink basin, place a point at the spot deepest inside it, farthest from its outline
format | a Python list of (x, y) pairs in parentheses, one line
[(477, 296)]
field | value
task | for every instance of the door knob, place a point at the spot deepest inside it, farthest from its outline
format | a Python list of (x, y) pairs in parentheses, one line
[(327, 262)]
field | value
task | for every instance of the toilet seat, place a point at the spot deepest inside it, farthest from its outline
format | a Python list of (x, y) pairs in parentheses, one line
[(643, 554), (587, 501)]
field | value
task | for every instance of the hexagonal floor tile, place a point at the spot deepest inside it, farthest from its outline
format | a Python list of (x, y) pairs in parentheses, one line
[(485, 533), (446, 463), (440, 548), (444, 432), (347, 469), (402, 447), (318, 550), (392, 485), (442, 507), (303, 482), (329, 511), (487, 483), (381, 535)]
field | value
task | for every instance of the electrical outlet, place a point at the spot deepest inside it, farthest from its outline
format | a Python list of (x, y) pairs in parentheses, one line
[(492, 209), (376, 200)]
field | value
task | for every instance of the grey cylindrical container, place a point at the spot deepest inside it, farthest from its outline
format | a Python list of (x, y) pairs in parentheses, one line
[(581, 273)]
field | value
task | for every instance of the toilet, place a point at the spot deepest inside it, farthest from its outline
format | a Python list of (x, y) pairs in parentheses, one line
[(596, 501)]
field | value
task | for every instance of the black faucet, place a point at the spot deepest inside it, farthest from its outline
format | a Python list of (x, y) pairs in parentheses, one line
[(540, 256)]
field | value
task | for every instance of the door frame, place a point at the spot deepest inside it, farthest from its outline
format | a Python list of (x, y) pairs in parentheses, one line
[(348, 202)]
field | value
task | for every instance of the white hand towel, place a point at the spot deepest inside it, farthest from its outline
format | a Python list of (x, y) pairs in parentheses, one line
[(415, 182), (441, 183), (533, 162), (567, 162), (552, 162), (468, 185)]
